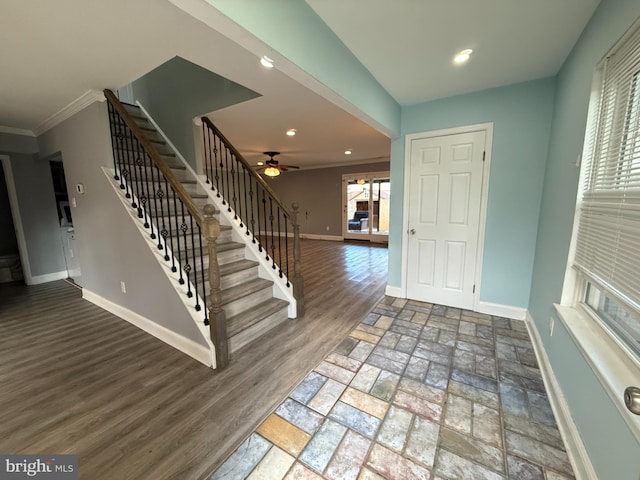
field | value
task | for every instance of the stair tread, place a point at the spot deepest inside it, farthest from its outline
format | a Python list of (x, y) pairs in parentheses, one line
[(244, 320), (175, 233), (226, 246), (237, 266), (182, 168), (197, 196), (129, 148), (169, 216), (234, 293)]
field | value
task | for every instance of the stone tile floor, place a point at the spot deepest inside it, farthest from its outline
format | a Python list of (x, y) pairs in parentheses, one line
[(416, 391)]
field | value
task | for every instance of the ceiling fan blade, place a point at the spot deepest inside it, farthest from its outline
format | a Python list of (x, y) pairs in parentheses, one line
[(288, 166)]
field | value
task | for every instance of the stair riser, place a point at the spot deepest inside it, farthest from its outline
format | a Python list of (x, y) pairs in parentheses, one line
[(248, 335), (169, 208), (238, 278), (230, 256), (225, 236), (180, 173), (193, 189), (128, 159), (129, 143), (223, 257), (231, 280), (245, 303), (154, 136)]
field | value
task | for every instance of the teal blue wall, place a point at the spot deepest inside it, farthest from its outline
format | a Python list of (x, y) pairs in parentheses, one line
[(293, 29), (521, 116), (177, 91), (597, 418)]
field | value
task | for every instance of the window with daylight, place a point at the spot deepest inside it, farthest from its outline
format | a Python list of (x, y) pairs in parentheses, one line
[(608, 235)]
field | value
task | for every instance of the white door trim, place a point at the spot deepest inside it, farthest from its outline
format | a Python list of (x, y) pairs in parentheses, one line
[(17, 219), (488, 129)]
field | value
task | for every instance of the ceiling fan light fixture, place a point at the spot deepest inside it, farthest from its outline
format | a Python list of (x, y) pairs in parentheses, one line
[(272, 171), (462, 56), (266, 62)]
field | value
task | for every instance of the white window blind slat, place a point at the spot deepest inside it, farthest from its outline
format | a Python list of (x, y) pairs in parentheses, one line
[(608, 238)]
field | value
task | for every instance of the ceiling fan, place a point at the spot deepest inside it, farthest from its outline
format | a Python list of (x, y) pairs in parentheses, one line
[(271, 167)]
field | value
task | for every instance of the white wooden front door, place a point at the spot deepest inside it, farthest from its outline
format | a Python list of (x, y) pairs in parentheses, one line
[(444, 217)]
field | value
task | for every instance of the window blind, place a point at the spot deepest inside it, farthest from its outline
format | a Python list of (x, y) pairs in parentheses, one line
[(608, 239)]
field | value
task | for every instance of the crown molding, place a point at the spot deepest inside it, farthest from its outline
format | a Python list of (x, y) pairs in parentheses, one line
[(17, 131), (86, 99)]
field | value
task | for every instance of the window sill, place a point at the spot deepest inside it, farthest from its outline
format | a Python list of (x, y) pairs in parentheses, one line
[(615, 369)]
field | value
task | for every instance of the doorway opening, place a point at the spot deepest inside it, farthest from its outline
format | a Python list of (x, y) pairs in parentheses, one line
[(366, 198), (10, 265), (67, 230)]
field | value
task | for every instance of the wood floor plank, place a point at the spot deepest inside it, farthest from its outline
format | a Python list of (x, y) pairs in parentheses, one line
[(76, 379)]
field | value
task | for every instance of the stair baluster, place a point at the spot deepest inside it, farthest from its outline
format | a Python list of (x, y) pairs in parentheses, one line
[(259, 209), (298, 281), (162, 202)]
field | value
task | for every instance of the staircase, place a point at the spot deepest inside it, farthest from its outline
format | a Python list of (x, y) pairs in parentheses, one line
[(247, 299)]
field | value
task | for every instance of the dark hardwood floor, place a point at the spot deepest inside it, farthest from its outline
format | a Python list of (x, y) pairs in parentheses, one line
[(76, 379)]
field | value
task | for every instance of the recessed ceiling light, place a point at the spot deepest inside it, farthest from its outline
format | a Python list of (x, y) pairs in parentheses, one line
[(260, 164), (291, 132), (266, 62), (463, 56), (348, 152)]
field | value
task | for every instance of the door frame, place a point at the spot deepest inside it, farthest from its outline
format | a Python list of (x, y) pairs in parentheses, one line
[(370, 237), (17, 219), (488, 129)]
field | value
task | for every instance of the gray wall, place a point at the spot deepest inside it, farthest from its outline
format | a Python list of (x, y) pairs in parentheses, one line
[(612, 447), (36, 203), (319, 193), (10, 143), (177, 91), (110, 247)]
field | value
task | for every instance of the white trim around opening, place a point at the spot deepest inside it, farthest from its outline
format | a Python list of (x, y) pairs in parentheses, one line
[(17, 219)]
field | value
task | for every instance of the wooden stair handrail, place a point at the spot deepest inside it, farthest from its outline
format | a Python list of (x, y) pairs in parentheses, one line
[(249, 168), (209, 226), (150, 150)]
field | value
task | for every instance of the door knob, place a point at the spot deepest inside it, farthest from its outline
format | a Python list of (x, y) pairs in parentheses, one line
[(413, 231), (632, 399)]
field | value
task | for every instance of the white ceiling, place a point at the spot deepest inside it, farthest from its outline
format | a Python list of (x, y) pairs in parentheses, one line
[(53, 52), (408, 45)]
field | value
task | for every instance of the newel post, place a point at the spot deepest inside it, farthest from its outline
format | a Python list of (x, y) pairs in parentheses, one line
[(298, 281), (217, 317)]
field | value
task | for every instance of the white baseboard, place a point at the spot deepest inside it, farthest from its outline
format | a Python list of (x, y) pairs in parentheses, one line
[(499, 310), (315, 236), (47, 277), (578, 456), (394, 292), (195, 350)]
